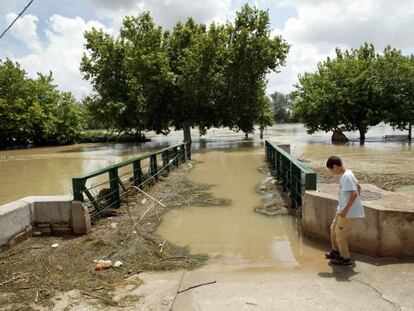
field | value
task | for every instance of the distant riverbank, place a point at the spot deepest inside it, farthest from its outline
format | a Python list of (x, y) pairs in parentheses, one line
[(89, 136), (103, 136)]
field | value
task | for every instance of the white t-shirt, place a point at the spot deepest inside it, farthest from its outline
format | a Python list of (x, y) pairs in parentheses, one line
[(348, 184)]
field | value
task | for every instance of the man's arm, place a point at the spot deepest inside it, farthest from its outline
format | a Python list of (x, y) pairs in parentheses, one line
[(348, 205), (359, 189)]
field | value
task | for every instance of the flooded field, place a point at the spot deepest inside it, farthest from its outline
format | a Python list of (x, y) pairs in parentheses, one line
[(48, 171)]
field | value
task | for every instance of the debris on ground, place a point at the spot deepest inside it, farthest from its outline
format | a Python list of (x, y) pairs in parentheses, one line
[(195, 286), (274, 202), (117, 264), (385, 181), (102, 264), (33, 275)]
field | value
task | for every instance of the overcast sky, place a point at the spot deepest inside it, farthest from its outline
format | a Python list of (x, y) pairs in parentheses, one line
[(49, 37)]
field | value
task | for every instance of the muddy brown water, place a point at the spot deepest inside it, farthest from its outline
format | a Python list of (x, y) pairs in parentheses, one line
[(48, 171), (235, 233), (228, 162)]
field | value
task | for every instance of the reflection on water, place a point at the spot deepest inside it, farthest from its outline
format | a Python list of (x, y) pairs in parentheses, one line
[(49, 170), (235, 232)]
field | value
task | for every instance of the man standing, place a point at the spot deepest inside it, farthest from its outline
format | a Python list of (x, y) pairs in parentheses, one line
[(349, 208)]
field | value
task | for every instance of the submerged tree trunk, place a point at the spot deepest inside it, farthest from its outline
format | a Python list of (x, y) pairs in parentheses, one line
[(187, 131), (362, 135)]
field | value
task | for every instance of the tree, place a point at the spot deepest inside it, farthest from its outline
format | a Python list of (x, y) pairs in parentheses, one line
[(313, 98), (68, 120), (166, 78), (280, 104), (149, 78), (197, 57), (344, 94), (33, 111), (397, 88), (14, 109), (193, 75), (265, 116), (252, 54), (104, 66)]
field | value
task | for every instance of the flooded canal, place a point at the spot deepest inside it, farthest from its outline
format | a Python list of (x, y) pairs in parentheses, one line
[(235, 232), (49, 170)]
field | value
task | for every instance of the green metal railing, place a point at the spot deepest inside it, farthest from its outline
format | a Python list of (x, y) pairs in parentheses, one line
[(144, 170), (295, 176)]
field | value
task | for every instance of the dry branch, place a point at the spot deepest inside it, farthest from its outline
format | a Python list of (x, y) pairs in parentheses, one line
[(195, 286)]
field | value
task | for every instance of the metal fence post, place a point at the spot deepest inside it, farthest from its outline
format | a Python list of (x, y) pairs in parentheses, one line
[(188, 149), (183, 154), (310, 181), (153, 165), (165, 160), (175, 153), (114, 185), (78, 185), (137, 173)]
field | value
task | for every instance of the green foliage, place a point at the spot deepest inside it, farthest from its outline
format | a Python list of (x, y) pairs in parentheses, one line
[(68, 118), (342, 95), (281, 107), (197, 57), (356, 90), (105, 67), (149, 78), (396, 72), (33, 111), (252, 54), (265, 115), (193, 75), (103, 136)]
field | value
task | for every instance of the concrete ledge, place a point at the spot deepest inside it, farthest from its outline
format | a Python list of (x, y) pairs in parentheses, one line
[(49, 208), (54, 214), (386, 230), (15, 217)]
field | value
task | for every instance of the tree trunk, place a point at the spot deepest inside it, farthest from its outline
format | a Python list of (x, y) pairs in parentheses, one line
[(410, 131), (362, 135), (187, 132), (246, 135), (261, 133)]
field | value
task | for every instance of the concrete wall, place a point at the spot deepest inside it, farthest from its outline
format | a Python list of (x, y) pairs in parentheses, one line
[(49, 209), (55, 214), (15, 217), (386, 230)]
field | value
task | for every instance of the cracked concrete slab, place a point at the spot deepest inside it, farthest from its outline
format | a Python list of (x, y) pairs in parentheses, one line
[(365, 286)]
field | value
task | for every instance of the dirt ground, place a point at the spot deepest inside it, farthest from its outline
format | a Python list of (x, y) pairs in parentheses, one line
[(390, 182), (274, 201), (33, 273)]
